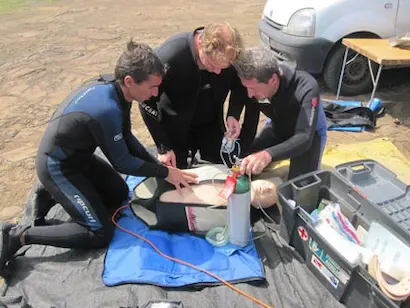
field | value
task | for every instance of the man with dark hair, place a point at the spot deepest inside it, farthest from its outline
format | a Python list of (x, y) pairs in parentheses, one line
[(188, 114), (87, 187), (291, 99)]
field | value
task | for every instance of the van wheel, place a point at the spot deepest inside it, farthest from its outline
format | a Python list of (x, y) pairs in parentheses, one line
[(356, 78)]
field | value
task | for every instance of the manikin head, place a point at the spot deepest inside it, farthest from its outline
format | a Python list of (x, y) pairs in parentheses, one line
[(263, 193)]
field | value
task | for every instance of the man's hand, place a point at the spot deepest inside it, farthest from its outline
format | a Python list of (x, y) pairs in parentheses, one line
[(168, 159), (177, 177), (234, 127), (255, 163)]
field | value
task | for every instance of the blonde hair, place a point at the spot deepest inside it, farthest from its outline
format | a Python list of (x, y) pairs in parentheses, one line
[(221, 41)]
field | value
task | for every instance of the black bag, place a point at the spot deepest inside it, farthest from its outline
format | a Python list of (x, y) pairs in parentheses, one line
[(348, 116)]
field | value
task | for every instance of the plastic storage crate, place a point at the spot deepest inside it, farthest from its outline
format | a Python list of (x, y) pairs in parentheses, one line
[(382, 187), (349, 283)]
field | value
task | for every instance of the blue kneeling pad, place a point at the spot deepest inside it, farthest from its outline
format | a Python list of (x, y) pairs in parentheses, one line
[(132, 260)]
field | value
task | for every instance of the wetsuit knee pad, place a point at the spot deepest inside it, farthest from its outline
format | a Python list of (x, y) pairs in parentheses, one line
[(102, 237)]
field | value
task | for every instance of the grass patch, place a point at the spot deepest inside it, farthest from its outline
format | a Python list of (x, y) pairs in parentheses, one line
[(11, 5)]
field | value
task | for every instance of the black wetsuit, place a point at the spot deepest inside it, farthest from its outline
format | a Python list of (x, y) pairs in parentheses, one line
[(89, 189), (297, 128), (188, 112)]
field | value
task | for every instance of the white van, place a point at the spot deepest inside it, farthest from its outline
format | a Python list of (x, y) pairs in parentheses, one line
[(309, 33)]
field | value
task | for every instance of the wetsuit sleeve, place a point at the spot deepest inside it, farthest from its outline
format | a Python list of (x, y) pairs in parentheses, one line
[(134, 146), (151, 114), (238, 97), (107, 131), (237, 102), (137, 149), (250, 125), (305, 126)]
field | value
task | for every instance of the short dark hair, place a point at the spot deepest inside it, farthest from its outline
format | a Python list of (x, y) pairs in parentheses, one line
[(257, 63), (139, 61)]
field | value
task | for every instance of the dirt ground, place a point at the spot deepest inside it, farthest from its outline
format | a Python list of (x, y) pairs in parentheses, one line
[(51, 48)]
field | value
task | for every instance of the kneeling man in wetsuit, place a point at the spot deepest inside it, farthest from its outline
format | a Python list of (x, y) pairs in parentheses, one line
[(290, 99), (87, 187)]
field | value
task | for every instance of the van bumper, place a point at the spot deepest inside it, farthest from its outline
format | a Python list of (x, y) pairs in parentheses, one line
[(307, 53)]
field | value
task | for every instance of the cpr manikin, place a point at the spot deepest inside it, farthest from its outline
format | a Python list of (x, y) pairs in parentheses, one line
[(198, 209), (263, 194)]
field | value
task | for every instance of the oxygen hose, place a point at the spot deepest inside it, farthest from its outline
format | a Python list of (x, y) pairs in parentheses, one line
[(259, 302), (218, 236)]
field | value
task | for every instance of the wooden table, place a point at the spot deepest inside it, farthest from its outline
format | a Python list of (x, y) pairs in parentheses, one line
[(378, 51)]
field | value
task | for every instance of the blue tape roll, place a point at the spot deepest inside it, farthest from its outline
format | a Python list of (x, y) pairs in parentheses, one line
[(217, 236), (375, 104)]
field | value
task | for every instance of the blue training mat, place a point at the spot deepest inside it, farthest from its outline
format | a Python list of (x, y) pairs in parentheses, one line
[(347, 128), (131, 260)]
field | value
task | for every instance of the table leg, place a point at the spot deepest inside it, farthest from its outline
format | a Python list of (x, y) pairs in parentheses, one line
[(375, 82), (342, 73)]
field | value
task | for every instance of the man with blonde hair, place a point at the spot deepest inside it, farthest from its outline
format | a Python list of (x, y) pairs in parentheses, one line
[(188, 114)]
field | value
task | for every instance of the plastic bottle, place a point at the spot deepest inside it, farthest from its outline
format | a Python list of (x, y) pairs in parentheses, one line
[(239, 207)]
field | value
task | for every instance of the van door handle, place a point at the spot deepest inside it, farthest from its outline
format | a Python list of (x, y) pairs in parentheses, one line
[(388, 5)]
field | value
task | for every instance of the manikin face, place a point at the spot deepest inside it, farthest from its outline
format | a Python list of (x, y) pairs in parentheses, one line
[(261, 90), (143, 91), (263, 193)]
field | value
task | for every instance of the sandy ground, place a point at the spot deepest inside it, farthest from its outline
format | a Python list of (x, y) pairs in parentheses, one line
[(49, 49)]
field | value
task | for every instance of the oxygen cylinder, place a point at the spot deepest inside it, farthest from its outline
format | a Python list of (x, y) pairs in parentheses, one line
[(239, 207)]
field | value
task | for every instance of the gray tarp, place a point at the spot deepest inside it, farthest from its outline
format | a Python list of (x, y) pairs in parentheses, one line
[(54, 277)]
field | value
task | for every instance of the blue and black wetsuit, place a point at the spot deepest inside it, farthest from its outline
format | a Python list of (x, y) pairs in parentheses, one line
[(89, 189)]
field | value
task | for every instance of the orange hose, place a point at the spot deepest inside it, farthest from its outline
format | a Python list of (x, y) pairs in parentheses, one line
[(186, 263)]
